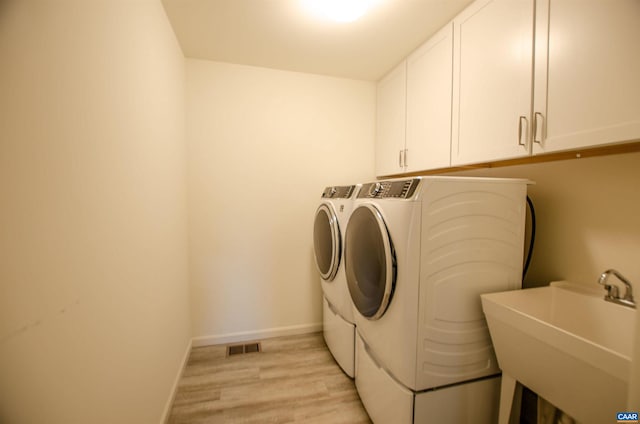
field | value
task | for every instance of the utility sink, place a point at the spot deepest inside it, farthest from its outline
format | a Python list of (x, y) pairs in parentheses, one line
[(567, 344)]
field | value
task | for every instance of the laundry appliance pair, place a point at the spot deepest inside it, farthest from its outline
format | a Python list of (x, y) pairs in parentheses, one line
[(418, 253)]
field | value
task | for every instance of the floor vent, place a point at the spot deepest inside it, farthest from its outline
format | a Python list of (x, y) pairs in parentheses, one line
[(253, 347)]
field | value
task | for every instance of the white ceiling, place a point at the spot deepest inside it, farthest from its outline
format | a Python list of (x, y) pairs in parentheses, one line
[(281, 34)]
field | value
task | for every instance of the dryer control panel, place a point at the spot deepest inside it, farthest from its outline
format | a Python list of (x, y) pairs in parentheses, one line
[(398, 189), (338, 192)]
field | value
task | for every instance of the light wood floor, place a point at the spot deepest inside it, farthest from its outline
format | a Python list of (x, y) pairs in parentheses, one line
[(293, 380)]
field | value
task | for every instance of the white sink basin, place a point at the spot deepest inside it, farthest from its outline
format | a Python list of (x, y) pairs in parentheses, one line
[(566, 343)]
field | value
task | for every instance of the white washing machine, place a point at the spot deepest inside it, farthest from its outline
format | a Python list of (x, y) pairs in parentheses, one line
[(328, 240), (418, 254)]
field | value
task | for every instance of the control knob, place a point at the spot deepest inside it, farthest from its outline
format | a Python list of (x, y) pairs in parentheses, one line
[(375, 189)]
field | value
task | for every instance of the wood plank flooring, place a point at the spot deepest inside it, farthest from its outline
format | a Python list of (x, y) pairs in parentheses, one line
[(293, 380)]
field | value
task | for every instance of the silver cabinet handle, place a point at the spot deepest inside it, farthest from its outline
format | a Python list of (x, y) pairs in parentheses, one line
[(520, 131), (402, 158), (535, 127)]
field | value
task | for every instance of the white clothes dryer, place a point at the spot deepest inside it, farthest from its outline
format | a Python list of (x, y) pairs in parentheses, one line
[(328, 240), (418, 254)]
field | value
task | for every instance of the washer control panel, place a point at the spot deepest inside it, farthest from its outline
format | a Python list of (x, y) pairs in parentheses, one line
[(338, 192), (397, 189)]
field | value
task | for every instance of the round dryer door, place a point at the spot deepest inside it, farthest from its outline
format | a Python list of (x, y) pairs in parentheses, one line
[(370, 261), (327, 242)]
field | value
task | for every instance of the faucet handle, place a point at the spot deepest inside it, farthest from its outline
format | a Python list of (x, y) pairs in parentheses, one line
[(613, 292)]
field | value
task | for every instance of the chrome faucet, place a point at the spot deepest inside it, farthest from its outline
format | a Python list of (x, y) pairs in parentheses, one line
[(613, 293)]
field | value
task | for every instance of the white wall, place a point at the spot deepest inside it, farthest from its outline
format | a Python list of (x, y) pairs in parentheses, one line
[(262, 146), (587, 216), (94, 317)]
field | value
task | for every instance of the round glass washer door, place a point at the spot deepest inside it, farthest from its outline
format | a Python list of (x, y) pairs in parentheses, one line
[(370, 261), (327, 242)]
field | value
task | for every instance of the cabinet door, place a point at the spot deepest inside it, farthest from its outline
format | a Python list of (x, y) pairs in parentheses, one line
[(587, 83), (391, 121), (429, 82), (493, 59)]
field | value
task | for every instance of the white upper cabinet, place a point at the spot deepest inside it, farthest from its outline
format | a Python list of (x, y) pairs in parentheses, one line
[(429, 81), (390, 121), (587, 73), (413, 130), (492, 81), (511, 78)]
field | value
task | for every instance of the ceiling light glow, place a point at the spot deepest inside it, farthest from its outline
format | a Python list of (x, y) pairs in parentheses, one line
[(339, 10)]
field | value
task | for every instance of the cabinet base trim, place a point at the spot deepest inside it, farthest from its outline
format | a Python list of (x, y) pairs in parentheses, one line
[(615, 149)]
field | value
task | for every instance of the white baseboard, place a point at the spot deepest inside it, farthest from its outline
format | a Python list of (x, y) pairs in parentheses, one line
[(174, 388), (244, 336)]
